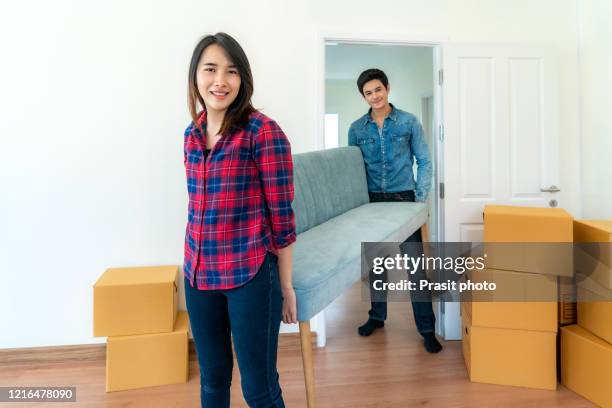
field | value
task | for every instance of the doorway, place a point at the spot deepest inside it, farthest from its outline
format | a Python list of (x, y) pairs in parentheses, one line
[(415, 75), (412, 70)]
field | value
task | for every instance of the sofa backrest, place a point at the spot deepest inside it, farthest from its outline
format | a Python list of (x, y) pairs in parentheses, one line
[(327, 183)]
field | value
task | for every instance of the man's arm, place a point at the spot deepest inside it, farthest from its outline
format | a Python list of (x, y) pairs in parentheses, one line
[(420, 150), (352, 140)]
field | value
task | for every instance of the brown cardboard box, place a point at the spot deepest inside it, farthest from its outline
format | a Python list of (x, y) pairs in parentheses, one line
[(505, 223), (509, 230), (148, 360), (586, 365), (522, 301), (130, 301), (521, 358), (593, 230), (595, 308), (596, 231), (586, 264), (594, 260)]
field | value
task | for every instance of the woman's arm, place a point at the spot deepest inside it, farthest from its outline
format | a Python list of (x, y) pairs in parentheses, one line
[(272, 153), (285, 256)]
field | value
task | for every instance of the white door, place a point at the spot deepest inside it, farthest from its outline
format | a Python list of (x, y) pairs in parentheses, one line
[(500, 138)]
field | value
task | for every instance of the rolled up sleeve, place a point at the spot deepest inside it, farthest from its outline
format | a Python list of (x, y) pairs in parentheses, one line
[(272, 153)]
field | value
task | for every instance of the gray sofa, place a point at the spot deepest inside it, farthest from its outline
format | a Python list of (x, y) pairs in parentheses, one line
[(333, 217)]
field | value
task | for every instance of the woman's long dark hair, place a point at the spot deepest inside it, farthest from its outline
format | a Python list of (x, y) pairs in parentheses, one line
[(238, 112)]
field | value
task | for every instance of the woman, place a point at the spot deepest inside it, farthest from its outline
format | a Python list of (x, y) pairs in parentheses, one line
[(240, 228)]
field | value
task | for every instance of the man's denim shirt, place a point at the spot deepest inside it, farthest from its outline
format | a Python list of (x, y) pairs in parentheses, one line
[(389, 153)]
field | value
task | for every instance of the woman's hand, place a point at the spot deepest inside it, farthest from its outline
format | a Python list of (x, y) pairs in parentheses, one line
[(289, 306)]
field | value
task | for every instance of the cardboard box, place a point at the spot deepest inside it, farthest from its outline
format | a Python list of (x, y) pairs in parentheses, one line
[(148, 360), (594, 257), (528, 239), (522, 301), (593, 230), (596, 232), (130, 301), (586, 365), (586, 264), (595, 308), (505, 223), (520, 358)]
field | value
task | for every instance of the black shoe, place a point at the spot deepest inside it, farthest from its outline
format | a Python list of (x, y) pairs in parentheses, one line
[(369, 327), (432, 345)]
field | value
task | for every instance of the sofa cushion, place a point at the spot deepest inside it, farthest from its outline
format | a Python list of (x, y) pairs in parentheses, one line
[(327, 183), (326, 258)]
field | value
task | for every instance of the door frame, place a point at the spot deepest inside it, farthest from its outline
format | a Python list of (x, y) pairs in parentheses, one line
[(389, 39), (438, 131)]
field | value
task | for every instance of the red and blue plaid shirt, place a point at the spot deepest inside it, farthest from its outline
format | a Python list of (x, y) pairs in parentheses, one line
[(239, 202)]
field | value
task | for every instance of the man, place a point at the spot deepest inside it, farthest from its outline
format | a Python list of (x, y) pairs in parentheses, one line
[(390, 139)]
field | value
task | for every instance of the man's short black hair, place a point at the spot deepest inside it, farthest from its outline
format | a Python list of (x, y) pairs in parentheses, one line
[(369, 75)]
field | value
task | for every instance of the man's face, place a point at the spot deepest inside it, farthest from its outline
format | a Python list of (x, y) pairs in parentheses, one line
[(375, 94)]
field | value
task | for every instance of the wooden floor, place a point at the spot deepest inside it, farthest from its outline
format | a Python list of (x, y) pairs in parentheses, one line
[(388, 369)]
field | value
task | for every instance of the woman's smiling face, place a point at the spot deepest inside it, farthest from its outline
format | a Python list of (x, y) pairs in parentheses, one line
[(217, 78)]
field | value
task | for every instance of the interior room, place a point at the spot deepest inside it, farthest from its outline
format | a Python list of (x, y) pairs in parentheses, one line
[(99, 183)]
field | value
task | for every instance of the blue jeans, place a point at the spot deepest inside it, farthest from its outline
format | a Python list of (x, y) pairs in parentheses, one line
[(421, 300), (251, 315)]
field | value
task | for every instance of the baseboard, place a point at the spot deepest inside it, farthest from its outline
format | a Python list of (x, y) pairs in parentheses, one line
[(97, 352), (53, 354)]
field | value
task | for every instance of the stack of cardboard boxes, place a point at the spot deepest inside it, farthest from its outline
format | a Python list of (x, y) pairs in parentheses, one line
[(586, 348), (513, 342), (147, 345)]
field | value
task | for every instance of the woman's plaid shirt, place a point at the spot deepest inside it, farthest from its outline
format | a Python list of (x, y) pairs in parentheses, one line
[(239, 202)]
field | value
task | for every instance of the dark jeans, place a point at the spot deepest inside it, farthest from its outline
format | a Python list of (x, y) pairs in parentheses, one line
[(421, 300), (251, 315)]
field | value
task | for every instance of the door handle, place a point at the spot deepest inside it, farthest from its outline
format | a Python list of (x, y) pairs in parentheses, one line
[(551, 189)]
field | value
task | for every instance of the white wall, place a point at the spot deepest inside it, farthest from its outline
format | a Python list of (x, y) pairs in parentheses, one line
[(596, 92), (92, 106), (409, 69)]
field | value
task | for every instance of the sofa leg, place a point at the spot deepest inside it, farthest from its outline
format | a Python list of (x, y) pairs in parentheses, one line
[(425, 240), (425, 233), (309, 380)]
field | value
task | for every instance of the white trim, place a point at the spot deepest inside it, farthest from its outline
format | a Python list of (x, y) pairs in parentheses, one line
[(318, 326), (446, 324), (362, 38), (320, 94), (451, 323), (579, 45), (438, 94), (380, 38)]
